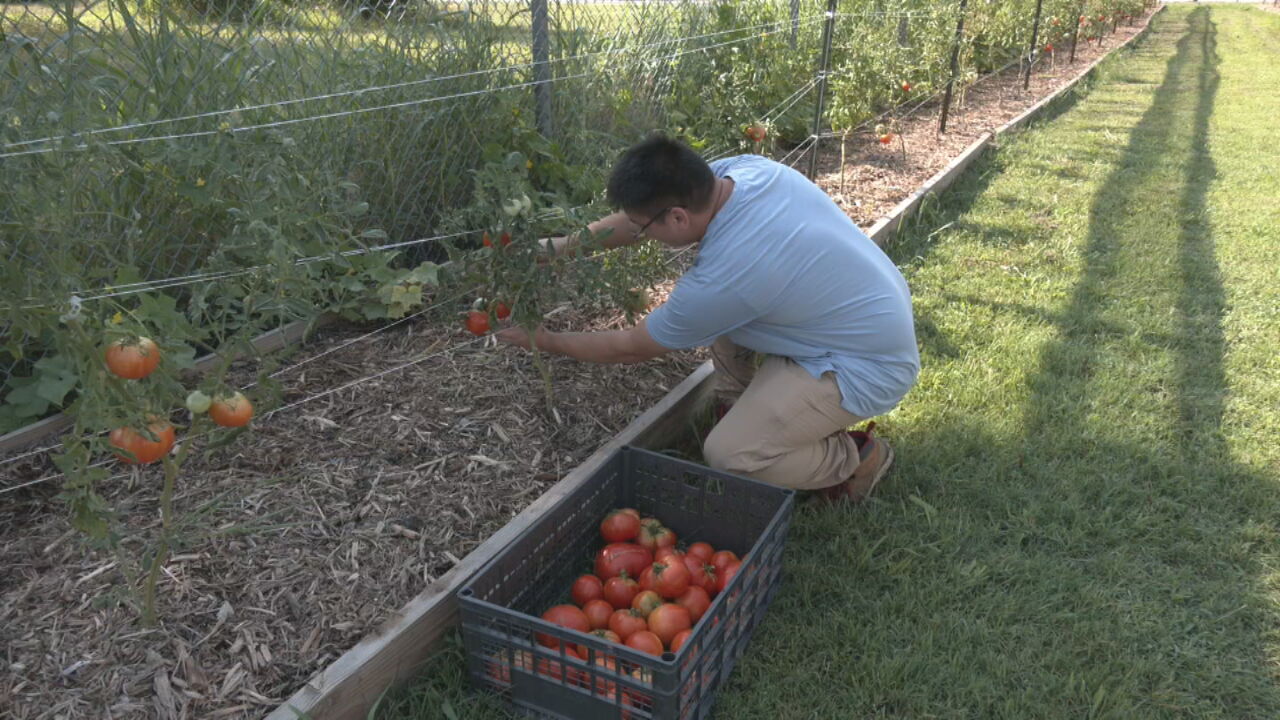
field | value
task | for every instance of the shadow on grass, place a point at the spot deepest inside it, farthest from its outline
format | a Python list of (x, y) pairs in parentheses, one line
[(1093, 568), (1172, 602)]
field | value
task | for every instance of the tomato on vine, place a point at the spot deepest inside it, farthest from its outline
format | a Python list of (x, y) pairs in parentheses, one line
[(198, 403), (136, 447), (133, 359), (233, 411), (477, 322)]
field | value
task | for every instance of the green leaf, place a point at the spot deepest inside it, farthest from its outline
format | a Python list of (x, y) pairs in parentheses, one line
[(56, 378)]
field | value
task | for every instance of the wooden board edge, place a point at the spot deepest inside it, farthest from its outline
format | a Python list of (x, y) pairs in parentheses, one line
[(881, 232), (349, 686)]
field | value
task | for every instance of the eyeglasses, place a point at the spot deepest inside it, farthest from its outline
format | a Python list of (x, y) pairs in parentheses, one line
[(654, 219)]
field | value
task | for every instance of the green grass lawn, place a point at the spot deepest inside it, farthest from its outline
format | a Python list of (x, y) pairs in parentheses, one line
[(1083, 520)]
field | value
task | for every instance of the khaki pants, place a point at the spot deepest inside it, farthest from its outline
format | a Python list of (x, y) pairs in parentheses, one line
[(785, 428)]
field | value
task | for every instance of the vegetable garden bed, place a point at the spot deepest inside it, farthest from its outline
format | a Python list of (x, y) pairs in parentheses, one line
[(317, 528)]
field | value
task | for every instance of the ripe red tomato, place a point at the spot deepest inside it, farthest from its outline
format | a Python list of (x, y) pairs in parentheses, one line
[(598, 612), (477, 322), (502, 310), (1048, 48), (645, 641), (620, 591), (886, 139), (906, 87), (670, 580), (615, 558), (755, 133), (606, 634), (680, 639), (234, 411), (504, 239), (626, 622), (619, 526), (646, 579), (132, 360), (654, 535), (723, 558), (696, 601), (668, 620), (646, 602), (726, 576), (702, 550), (700, 573), (666, 551), (587, 588), (143, 449), (566, 616)]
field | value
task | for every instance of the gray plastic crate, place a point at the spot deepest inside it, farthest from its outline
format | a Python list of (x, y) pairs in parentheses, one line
[(501, 606)]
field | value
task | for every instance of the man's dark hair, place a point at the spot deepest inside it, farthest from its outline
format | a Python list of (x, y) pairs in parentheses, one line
[(659, 172)]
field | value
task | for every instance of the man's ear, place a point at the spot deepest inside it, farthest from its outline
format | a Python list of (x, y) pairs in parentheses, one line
[(679, 217)]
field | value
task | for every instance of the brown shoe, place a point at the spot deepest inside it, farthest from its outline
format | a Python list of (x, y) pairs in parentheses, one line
[(876, 458)]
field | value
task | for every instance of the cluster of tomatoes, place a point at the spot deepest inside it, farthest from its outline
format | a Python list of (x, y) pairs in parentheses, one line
[(135, 359), (645, 593)]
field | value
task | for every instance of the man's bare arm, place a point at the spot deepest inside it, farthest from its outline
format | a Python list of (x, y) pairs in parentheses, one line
[(633, 345), (621, 232)]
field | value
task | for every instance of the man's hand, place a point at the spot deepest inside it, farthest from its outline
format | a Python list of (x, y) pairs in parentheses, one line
[(519, 337), (632, 345)]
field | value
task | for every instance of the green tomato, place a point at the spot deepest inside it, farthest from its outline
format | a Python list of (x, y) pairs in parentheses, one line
[(198, 403)]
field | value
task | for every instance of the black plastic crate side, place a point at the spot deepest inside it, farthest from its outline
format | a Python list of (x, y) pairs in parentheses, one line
[(728, 511), (535, 569)]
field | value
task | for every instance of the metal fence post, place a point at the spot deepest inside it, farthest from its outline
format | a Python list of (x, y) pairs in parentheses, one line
[(795, 21), (827, 31), (1075, 34), (542, 68), (955, 68), (1035, 38)]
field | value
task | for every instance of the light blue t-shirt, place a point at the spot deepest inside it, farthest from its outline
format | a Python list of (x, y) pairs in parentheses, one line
[(782, 270)]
